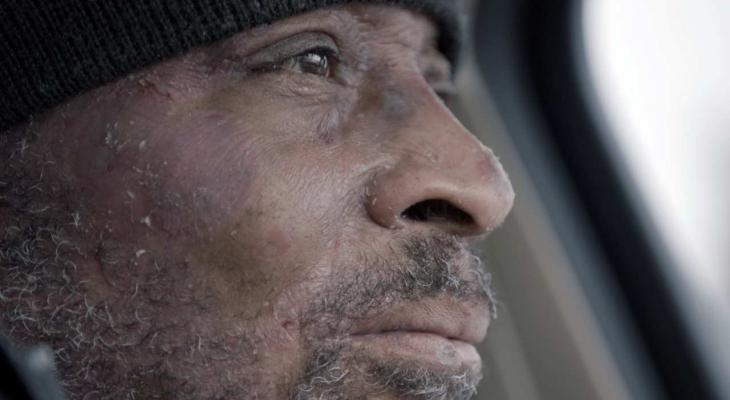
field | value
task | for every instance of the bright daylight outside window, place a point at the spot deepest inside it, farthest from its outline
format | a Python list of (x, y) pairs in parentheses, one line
[(661, 69)]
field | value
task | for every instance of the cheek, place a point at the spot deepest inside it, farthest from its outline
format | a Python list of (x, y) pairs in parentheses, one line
[(253, 195), (261, 163), (211, 168)]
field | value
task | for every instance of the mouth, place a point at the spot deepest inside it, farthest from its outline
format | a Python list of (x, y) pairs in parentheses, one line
[(441, 332)]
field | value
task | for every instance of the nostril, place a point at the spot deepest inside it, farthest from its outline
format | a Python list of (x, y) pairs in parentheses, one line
[(437, 211)]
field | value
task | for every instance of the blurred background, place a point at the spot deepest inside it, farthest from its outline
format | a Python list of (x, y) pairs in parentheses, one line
[(613, 119)]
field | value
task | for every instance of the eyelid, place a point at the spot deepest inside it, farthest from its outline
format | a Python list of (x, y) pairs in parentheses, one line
[(291, 47)]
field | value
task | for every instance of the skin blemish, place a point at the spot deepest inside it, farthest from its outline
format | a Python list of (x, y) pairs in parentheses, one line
[(149, 84), (278, 240), (394, 105)]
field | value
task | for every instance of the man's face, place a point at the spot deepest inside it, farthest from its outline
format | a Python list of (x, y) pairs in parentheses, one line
[(282, 214)]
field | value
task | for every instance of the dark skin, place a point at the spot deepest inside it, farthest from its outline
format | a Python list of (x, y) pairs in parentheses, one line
[(216, 200)]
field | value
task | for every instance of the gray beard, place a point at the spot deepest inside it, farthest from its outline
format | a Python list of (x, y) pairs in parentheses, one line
[(329, 376), (133, 348), (139, 345), (337, 372)]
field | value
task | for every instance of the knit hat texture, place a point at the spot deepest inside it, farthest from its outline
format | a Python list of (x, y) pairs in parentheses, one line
[(52, 50)]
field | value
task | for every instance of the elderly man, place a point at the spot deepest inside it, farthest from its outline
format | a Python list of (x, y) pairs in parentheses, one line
[(242, 199)]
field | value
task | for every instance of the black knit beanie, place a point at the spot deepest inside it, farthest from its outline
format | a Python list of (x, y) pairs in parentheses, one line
[(51, 50)]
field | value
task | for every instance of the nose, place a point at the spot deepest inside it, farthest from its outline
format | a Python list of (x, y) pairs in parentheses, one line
[(441, 175)]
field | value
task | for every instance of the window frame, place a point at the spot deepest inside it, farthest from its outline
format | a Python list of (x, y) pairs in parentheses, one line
[(531, 56)]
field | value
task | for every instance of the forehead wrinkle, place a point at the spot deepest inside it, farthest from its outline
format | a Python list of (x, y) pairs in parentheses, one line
[(390, 30), (407, 28)]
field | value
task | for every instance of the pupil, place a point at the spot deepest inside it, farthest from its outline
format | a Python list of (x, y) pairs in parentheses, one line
[(315, 64)]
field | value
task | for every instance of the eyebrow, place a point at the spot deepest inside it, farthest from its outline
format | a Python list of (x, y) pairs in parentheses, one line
[(331, 22), (260, 37)]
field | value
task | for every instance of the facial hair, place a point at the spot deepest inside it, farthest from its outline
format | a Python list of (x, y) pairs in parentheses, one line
[(139, 345), (427, 270)]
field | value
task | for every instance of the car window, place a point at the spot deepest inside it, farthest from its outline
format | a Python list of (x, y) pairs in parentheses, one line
[(659, 69)]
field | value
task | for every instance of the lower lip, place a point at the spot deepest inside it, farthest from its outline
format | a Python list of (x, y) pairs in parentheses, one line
[(421, 347)]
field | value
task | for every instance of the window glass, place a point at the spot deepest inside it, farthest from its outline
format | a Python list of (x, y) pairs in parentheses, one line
[(661, 71)]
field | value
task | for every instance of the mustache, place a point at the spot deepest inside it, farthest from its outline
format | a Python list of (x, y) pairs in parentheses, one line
[(418, 268)]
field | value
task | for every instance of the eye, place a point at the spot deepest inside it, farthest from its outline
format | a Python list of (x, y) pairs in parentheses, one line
[(319, 61), (438, 75), (446, 97), (446, 91)]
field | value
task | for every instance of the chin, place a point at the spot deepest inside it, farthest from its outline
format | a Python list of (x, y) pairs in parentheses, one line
[(348, 370)]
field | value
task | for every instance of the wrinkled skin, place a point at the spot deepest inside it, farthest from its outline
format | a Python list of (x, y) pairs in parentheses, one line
[(218, 221)]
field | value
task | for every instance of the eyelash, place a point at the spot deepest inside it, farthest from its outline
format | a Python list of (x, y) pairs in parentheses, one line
[(325, 68)]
